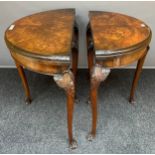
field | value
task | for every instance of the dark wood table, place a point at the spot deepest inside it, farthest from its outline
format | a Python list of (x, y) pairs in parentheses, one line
[(47, 43), (114, 40)]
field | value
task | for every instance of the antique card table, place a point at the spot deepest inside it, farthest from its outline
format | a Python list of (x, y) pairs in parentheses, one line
[(113, 40), (47, 43)]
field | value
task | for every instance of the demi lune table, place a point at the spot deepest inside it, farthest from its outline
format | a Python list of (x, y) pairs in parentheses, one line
[(113, 40), (47, 43)]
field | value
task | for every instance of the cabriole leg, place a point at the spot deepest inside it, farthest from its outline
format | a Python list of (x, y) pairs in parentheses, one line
[(136, 77), (25, 83), (66, 81), (98, 75)]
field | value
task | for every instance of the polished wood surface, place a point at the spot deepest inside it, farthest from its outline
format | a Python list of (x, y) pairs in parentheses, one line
[(44, 42), (113, 31), (114, 40), (46, 33), (47, 43)]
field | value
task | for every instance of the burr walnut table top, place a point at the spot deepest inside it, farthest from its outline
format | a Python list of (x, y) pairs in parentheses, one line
[(114, 33), (43, 34)]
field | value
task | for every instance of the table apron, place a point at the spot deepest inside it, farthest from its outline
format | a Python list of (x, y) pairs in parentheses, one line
[(40, 66), (122, 60)]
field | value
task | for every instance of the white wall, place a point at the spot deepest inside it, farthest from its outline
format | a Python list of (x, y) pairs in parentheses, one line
[(10, 11)]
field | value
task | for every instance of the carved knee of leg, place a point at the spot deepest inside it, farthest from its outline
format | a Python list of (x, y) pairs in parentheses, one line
[(99, 73), (65, 80)]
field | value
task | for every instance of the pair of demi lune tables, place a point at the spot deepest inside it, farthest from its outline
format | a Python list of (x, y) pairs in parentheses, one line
[(47, 43)]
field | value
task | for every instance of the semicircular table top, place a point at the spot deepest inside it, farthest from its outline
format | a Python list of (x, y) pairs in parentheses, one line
[(46, 33), (114, 32)]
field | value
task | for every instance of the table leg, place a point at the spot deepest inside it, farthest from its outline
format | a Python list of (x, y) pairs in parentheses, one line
[(75, 52), (98, 75), (136, 76), (74, 62), (90, 60), (90, 50), (25, 83), (75, 67), (90, 55), (66, 81)]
